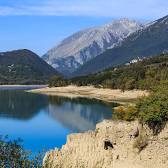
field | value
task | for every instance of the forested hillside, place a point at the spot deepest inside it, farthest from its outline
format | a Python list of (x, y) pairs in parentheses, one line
[(142, 75), (24, 67)]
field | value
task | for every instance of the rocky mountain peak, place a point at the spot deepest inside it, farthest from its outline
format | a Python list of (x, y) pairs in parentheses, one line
[(85, 45), (149, 41)]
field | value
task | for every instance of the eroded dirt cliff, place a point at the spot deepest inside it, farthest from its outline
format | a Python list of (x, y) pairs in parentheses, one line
[(114, 144)]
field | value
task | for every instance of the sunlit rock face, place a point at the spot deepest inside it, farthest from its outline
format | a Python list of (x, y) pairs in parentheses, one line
[(83, 46)]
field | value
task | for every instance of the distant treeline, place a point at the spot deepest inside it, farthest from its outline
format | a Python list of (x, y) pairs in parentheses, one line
[(141, 75)]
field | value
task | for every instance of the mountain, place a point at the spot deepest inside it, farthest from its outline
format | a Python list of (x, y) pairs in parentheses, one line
[(24, 67), (149, 41), (83, 46)]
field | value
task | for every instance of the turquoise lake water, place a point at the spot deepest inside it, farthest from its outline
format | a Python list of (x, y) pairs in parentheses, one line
[(43, 122)]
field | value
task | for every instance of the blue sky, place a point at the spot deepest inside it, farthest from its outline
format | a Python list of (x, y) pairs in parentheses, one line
[(40, 24)]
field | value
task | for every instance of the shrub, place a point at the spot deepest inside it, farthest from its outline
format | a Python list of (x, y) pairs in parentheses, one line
[(125, 112), (153, 110), (12, 155), (57, 81)]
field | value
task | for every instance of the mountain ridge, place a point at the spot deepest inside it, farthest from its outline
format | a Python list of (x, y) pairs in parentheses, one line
[(150, 41), (85, 45)]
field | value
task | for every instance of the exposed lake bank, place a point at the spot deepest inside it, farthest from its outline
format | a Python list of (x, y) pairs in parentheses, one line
[(107, 95), (114, 144)]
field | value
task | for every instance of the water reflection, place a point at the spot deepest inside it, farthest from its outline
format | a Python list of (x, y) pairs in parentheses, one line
[(45, 121), (21, 105), (75, 114), (78, 114)]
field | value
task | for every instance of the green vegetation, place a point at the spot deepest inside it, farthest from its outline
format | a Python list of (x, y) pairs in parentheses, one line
[(12, 155), (24, 67), (151, 110), (142, 75), (125, 112), (57, 81)]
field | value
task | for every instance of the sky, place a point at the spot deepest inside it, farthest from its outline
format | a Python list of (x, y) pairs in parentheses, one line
[(39, 25)]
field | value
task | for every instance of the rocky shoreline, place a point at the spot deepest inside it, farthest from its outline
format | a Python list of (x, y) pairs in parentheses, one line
[(114, 144)]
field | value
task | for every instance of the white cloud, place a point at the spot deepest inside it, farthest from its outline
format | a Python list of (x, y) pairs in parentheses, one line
[(105, 8)]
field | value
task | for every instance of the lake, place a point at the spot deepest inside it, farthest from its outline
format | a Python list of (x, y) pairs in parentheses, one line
[(43, 122)]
